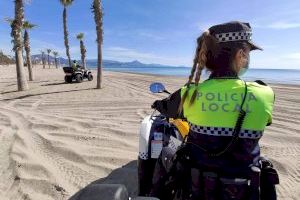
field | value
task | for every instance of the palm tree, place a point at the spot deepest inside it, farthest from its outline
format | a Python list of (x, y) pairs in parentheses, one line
[(80, 37), (66, 3), (16, 33), (27, 26), (49, 51), (98, 15), (43, 58), (55, 54)]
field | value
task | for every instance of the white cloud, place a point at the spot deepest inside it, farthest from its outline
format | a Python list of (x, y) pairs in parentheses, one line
[(258, 60), (206, 26), (278, 25), (88, 34), (268, 46), (6, 47), (125, 54), (285, 61), (145, 34), (150, 35), (75, 51), (50, 33), (295, 56), (283, 25), (38, 45)]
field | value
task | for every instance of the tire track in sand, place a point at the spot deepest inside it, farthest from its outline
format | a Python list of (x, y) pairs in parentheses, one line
[(63, 172)]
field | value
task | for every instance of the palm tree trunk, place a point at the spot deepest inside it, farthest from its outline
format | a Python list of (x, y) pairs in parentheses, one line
[(21, 78), (83, 51), (99, 66), (66, 35), (16, 33), (98, 20), (49, 60), (43, 60), (56, 62), (28, 56), (24, 57)]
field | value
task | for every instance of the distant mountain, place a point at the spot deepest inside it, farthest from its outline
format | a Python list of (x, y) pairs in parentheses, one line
[(106, 63), (117, 64)]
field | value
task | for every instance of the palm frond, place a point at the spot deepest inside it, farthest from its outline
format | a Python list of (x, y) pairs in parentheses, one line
[(9, 20), (27, 25), (66, 2), (80, 36)]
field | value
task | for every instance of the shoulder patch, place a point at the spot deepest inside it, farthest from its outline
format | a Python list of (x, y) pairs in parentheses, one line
[(260, 82)]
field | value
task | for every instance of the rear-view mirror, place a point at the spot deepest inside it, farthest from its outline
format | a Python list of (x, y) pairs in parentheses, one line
[(157, 88)]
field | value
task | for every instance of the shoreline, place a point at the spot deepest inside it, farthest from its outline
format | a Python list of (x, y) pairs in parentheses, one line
[(271, 82), (186, 78), (267, 81)]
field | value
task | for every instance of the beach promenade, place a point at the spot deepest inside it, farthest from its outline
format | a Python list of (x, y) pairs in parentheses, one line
[(57, 138)]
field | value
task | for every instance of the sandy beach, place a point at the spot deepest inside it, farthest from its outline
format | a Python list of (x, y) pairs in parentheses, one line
[(57, 138)]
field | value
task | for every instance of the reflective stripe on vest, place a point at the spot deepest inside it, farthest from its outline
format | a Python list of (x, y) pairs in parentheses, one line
[(221, 131), (217, 104)]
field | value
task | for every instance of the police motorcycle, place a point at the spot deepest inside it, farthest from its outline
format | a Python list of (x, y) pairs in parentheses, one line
[(78, 75), (183, 179), (156, 131)]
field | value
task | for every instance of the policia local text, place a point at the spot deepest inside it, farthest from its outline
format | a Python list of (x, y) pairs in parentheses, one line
[(225, 102)]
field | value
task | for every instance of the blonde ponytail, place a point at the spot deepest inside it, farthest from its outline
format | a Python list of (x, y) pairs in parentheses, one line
[(198, 64)]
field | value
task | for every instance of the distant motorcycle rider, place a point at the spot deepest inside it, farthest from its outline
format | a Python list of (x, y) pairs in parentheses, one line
[(227, 117), (75, 66)]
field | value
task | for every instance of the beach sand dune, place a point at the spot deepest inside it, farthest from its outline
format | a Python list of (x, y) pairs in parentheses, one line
[(58, 138)]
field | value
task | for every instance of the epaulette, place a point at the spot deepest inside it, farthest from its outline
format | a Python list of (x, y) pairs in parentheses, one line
[(260, 82)]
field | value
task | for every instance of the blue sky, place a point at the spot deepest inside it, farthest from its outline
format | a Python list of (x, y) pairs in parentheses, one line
[(162, 31)]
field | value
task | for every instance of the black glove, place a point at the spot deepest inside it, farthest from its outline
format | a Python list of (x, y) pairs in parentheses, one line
[(155, 104)]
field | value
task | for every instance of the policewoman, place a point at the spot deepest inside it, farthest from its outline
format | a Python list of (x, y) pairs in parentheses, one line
[(227, 116)]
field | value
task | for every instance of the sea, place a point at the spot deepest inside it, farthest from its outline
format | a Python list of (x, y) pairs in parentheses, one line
[(283, 76)]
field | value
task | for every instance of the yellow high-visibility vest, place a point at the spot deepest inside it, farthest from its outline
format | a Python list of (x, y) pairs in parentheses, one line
[(218, 101)]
